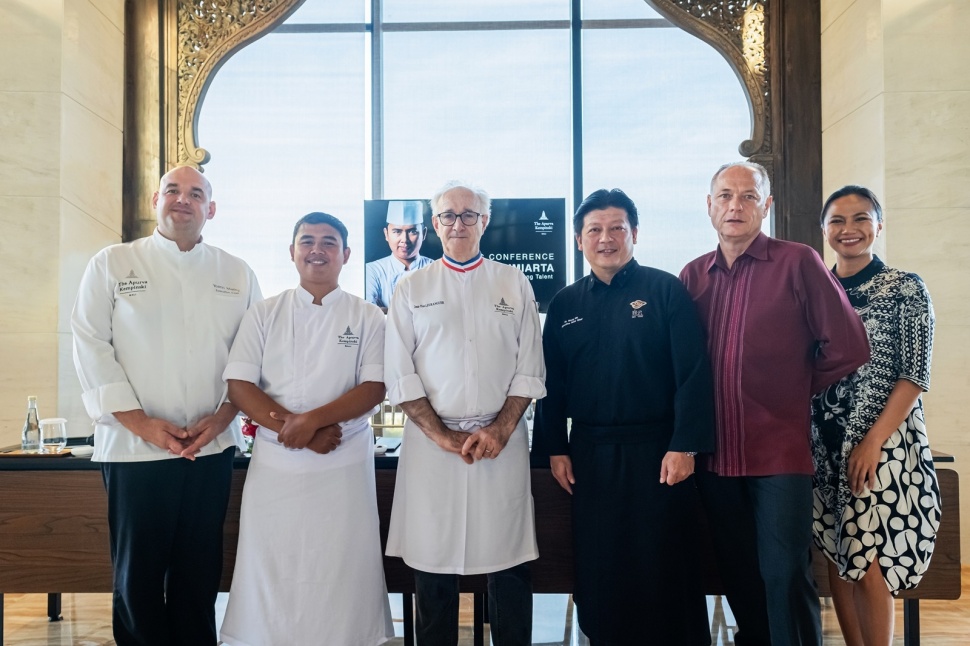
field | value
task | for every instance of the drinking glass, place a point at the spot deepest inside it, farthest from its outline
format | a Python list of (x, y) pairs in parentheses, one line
[(53, 434)]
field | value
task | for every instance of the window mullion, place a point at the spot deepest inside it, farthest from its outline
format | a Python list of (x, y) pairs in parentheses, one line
[(377, 100), (576, 78)]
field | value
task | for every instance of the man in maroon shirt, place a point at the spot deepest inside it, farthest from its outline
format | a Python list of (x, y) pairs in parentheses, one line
[(779, 329)]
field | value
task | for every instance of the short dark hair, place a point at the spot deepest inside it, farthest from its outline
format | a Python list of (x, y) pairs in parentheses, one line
[(604, 199), (852, 189), (322, 218)]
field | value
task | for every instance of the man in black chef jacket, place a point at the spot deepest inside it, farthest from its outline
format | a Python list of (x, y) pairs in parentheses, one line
[(626, 361)]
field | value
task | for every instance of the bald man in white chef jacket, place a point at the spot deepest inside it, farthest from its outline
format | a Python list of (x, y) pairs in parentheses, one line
[(153, 324), (463, 358)]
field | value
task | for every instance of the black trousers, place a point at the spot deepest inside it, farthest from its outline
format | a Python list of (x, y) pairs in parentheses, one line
[(761, 527), (166, 519), (509, 607), (634, 541)]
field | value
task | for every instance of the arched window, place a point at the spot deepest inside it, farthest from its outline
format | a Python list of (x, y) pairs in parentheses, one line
[(317, 115)]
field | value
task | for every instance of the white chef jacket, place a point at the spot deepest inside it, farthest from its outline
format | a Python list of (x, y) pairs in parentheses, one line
[(308, 565), (381, 277), (152, 330), (466, 340)]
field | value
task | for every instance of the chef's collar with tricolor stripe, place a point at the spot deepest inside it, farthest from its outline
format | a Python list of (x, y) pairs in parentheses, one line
[(463, 266)]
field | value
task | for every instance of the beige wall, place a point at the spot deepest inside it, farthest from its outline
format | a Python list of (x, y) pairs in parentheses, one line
[(896, 117), (61, 91)]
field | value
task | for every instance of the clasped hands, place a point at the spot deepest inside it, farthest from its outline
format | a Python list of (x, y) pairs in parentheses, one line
[(484, 443), (183, 442), (300, 432)]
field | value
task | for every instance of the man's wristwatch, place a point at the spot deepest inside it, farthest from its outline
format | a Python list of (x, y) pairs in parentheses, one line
[(690, 454)]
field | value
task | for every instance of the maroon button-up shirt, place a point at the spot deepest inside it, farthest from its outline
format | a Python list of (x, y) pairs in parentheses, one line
[(779, 329)]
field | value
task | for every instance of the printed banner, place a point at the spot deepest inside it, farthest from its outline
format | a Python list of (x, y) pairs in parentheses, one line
[(529, 234)]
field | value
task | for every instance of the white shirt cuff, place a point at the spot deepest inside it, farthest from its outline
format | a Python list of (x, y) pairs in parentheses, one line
[(371, 373), (101, 402), (406, 389), (524, 386), (242, 371)]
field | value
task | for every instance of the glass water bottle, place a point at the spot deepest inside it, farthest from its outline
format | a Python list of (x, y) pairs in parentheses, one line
[(30, 438)]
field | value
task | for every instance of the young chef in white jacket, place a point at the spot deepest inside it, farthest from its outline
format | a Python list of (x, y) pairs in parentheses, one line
[(308, 367), (463, 358), (153, 324)]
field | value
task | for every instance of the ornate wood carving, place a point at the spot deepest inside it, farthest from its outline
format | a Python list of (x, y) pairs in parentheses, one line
[(738, 30), (209, 32)]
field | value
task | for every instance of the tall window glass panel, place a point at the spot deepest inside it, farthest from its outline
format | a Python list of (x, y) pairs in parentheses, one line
[(330, 11), (284, 123), (490, 107), (614, 9), (661, 112), (472, 11)]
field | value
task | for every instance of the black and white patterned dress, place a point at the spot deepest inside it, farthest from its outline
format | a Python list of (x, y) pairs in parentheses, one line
[(898, 520)]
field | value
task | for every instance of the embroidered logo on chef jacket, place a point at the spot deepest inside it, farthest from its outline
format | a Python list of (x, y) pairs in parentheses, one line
[(348, 339), (575, 319), (226, 291), (504, 308), (637, 312), (131, 285)]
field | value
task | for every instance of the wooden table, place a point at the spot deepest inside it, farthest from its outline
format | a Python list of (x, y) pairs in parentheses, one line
[(54, 537)]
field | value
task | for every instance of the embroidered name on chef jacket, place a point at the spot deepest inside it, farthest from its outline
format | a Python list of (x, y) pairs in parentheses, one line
[(575, 319), (226, 291), (348, 339), (504, 308), (131, 285), (637, 311)]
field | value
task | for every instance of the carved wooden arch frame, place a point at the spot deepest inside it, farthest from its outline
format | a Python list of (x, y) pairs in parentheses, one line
[(211, 31), (738, 30)]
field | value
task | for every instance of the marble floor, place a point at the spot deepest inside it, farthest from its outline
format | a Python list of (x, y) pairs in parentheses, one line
[(87, 621)]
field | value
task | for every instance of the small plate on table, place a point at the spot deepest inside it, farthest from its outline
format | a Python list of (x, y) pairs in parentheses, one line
[(19, 453)]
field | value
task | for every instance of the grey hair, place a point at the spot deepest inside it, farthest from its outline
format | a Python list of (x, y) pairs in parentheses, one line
[(484, 201), (762, 181)]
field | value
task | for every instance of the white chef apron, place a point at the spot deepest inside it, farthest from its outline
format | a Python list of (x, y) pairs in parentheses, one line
[(455, 518), (308, 566)]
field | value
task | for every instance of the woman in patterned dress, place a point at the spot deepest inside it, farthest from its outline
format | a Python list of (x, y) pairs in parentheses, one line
[(877, 500)]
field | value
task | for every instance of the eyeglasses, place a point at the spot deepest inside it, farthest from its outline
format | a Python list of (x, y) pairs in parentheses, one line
[(468, 218)]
